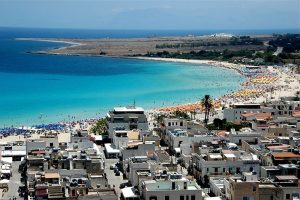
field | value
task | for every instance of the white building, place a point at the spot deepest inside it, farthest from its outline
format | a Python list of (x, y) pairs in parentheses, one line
[(245, 134), (122, 138), (225, 163), (178, 138), (234, 113), (126, 118), (175, 187)]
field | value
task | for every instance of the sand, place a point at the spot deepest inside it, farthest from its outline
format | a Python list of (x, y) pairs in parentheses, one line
[(283, 82)]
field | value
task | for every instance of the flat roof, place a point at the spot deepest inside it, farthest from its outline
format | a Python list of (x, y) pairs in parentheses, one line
[(215, 156), (291, 177), (52, 175), (229, 155), (129, 192), (128, 109), (110, 149), (98, 137), (5, 171), (13, 153)]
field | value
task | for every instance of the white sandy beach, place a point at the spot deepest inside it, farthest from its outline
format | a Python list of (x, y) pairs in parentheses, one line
[(284, 85)]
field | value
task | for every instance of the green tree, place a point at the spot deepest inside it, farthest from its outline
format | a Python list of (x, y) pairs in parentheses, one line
[(207, 103), (100, 127)]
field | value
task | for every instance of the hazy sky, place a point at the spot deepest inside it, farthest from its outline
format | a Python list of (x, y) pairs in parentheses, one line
[(151, 14)]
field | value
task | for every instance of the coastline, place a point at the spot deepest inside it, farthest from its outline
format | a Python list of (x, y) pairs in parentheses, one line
[(258, 88), (276, 83), (73, 44)]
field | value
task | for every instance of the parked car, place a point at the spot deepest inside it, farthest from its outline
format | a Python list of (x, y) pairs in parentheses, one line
[(112, 167), (116, 170), (123, 185)]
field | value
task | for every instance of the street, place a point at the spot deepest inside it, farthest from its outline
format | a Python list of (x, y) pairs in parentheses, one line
[(14, 182), (113, 180)]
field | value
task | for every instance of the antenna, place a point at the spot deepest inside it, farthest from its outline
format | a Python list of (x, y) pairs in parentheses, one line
[(134, 102)]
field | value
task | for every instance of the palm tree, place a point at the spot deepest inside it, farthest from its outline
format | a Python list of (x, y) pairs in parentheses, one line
[(297, 96), (207, 103)]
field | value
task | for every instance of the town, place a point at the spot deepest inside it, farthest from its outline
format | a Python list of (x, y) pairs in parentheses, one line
[(250, 152)]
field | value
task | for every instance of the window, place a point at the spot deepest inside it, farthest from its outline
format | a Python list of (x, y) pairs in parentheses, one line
[(169, 124), (287, 196), (153, 198), (181, 123), (81, 192), (74, 165), (187, 197), (51, 144), (181, 197), (245, 198), (193, 197), (216, 169), (207, 169), (167, 197), (224, 170)]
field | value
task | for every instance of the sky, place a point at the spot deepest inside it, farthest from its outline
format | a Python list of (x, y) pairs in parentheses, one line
[(151, 14)]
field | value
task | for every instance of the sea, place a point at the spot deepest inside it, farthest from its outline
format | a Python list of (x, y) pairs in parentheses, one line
[(40, 88)]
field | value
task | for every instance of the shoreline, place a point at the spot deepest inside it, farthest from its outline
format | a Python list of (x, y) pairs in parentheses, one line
[(72, 44), (253, 95), (271, 83)]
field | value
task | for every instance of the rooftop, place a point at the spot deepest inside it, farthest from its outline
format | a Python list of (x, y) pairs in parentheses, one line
[(130, 192), (128, 109), (52, 175), (283, 155), (178, 184)]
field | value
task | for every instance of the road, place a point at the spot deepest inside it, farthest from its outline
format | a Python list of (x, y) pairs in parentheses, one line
[(278, 51), (113, 180), (14, 182)]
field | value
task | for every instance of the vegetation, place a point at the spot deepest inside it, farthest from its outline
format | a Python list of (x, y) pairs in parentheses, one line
[(159, 119), (180, 114), (297, 98), (177, 114), (245, 40), (289, 42), (219, 124), (100, 127), (234, 41), (207, 103)]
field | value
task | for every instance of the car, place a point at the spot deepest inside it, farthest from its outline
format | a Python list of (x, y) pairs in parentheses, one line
[(112, 167), (116, 170), (123, 185)]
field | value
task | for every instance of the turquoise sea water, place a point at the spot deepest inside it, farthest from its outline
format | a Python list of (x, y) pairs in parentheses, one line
[(39, 89)]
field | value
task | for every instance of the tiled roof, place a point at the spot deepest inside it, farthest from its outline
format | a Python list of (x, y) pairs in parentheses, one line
[(282, 155)]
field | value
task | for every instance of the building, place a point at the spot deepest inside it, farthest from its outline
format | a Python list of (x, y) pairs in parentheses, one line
[(245, 187), (245, 134), (174, 187), (126, 118), (237, 112), (223, 163), (280, 188)]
